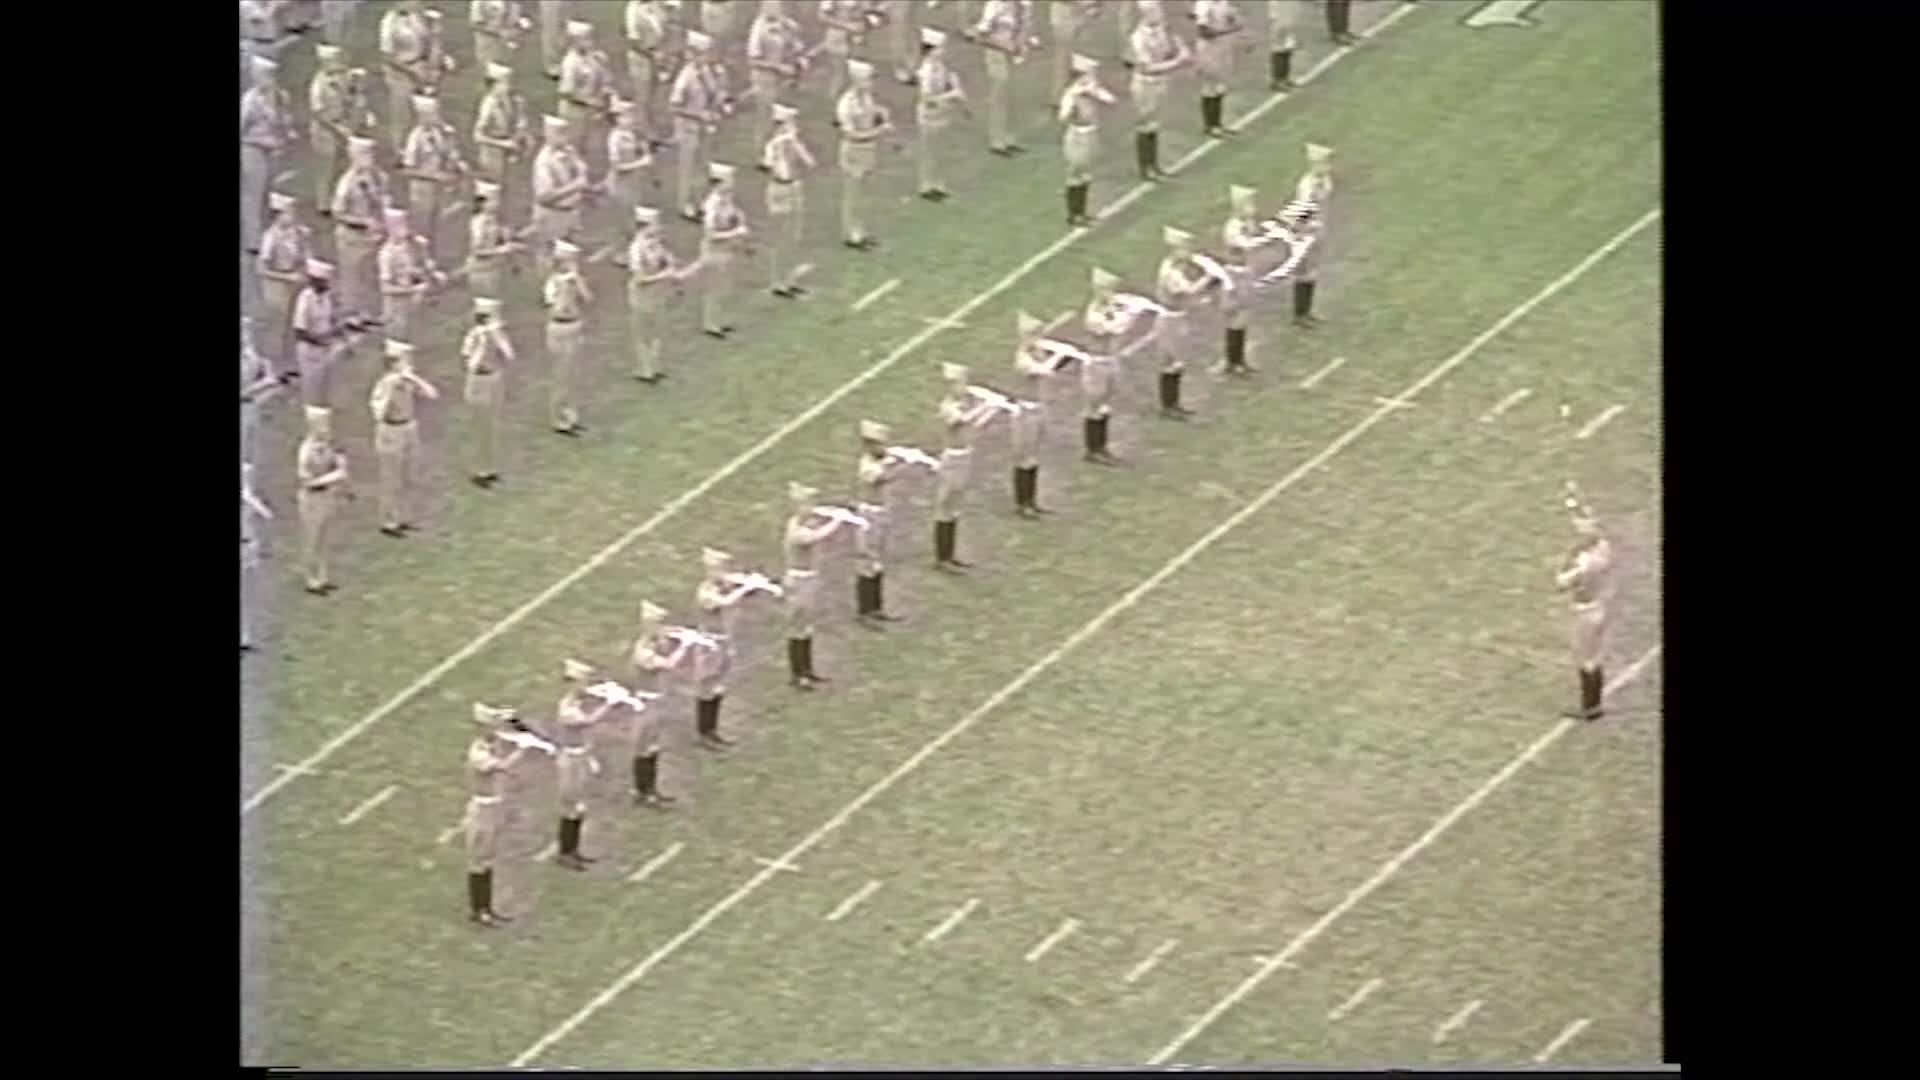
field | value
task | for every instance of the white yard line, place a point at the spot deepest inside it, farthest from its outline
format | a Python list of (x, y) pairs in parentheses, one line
[(853, 901), (1353, 1002), (1387, 870), (655, 863), (1600, 421), (1046, 946), (1506, 403), (868, 300), (1152, 959), (950, 922), (960, 727), (776, 864), (1059, 320), (1313, 380), (449, 833), (1560, 1041), (366, 808), (680, 502), (1456, 1021), (1392, 402)]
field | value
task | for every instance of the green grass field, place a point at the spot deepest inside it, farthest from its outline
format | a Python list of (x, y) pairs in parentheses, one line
[(1227, 761)]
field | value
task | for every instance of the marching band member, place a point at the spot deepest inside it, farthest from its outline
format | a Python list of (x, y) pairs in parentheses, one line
[(1080, 112)]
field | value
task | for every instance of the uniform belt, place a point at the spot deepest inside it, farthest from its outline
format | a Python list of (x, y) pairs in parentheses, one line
[(319, 488), (870, 508), (792, 572), (777, 180), (351, 225), (398, 423), (486, 800), (482, 371), (573, 749), (958, 450), (558, 319), (1083, 127)]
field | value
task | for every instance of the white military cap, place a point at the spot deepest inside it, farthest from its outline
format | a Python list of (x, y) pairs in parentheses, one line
[(279, 201), (651, 612), (486, 305), (486, 715), (327, 54), (645, 215), (433, 13), (359, 144), (552, 125), (714, 558), (953, 372), (783, 113), (672, 5), (579, 28), (1104, 280), (1318, 154), (575, 671), (1027, 325), (859, 70), (719, 173), (319, 268), (394, 218), (263, 66), (1084, 65), (930, 36), (565, 249), (398, 348), (1175, 236), (1240, 196), (318, 414), (498, 72), (799, 492), (698, 41), (486, 189), (875, 430), (426, 103)]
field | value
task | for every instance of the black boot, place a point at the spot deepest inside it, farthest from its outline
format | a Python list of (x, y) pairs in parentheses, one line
[(1236, 350), (1170, 396), (569, 855), (1303, 304), (1073, 213), (476, 895), (1153, 155), (1140, 157), (1090, 434), (708, 710), (863, 595), (797, 664), (646, 770), (806, 662), (1280, 67), (943, 542), (880, 599), (1208, 120), (1080, 203), (1592, 687), (493, 918), (1020, 488), (1033, 491)]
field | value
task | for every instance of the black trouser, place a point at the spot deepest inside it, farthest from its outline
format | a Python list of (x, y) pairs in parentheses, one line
[(1338, 12)]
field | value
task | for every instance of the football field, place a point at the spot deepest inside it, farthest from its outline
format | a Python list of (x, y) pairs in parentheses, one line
[(1250, 754)]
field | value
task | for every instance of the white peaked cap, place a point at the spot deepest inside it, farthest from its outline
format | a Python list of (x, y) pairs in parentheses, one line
[(1083, 64), (318, 414), (278, 201), (486, 189), (552, 125), (1317, 153), (859, 70), (398, 348), (1103, 280), (717, 171), (426, 103), (575, 671), (394, 218), (930, 36), (319, 268), (579, 28), (714, 558), (784, 112), (486, 715), (875, 430), (1175, 236), (799, 492), (263, 66), (565, 249), (953, 372), (698, 41), (486, 305), (359, 144), (645, 215), (651, 612), (1026, 324), (498, 72), (327, 53)]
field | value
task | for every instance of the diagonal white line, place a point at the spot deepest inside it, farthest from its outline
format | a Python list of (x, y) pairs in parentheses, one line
[(951, 921), (1065, 930), (873, 297), (1560, 1041), (366, 808), (960, 727), (752, 454), (1387, 870), (853, 901), (1506, 403), (1457, 1020), (1600, 421), (655, 863), (1153, 958), (1313, 380), (1353, 1002)]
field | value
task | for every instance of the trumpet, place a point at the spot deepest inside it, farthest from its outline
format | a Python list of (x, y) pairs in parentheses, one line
[(842, 515), (754, 581), (911, 456)]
